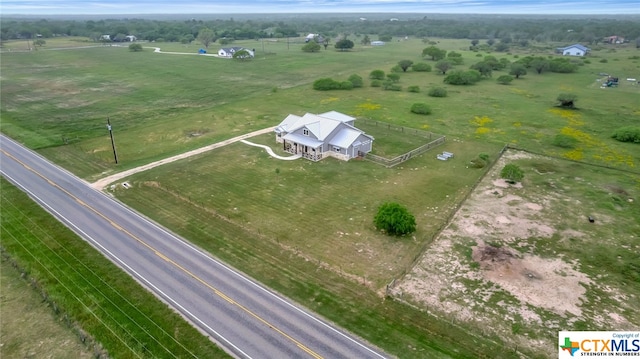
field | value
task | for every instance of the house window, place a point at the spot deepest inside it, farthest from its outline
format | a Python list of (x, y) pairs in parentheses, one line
[(305, 131), (336, 149)]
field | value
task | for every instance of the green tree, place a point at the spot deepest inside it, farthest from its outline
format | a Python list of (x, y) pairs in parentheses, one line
[(344, 44), (434, 52), (512, 173), (384, 37), (135, 47), (394, 219), (405, 64), (539, 64), (393, 77), (206, 37), (475, 42), (225, 41), (377, 75), (567, 100), (484, 68), (39, 42), (443, 66), (366, 40), (455, 58), (311, 46), (518, 70), (242, 55), (502, 47)]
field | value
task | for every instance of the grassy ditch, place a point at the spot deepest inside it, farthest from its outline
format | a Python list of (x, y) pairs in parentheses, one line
[(86, 290)]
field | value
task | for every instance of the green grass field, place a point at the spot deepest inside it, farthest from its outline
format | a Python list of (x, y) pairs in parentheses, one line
[(305, 228)]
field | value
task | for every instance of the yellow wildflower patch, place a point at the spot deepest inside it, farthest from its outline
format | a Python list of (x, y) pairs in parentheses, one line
[(575, 154), (370, 106), (572, 116), (482, 130), (481, 121), (517, 124), (424, 127), (328, 100)]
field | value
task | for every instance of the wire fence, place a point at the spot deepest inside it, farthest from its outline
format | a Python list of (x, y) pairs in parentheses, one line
[(434, 141)]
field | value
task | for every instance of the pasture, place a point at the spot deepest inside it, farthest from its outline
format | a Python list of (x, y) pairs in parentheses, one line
[(305, 228)]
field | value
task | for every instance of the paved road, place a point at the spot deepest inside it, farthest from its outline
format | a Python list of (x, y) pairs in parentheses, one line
[(245, 318)]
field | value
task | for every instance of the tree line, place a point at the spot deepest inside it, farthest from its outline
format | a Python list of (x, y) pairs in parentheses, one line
[(588, 30)]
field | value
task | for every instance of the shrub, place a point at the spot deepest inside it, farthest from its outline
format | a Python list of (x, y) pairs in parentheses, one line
[(438, 92), (377, 75), (604, 61), (346, 85), (135, 47), (627, 134), (421, 67), (567, 100), (480, 161), (376, 83), (326, 84), (564, 141), (421, 108), (394, 219), (396, 69), (512, 173), (356, 80), (394, 77), (390, 86), (504, 79), (459, 77), (415, 89)]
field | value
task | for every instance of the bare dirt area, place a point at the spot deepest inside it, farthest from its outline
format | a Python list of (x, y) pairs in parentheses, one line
[(485, 270)]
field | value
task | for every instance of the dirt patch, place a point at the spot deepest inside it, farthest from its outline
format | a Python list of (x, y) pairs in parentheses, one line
[(481, 270), (550, 284)]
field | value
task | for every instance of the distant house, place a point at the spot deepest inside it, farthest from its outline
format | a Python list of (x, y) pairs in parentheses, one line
[(328, 134), (573, 50), (130, 38), (317, 37), (105, 37), (614, 39), (229, 51), (377, 43)]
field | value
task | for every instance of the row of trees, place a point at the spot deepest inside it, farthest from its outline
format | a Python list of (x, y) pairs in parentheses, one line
[(504, 30)]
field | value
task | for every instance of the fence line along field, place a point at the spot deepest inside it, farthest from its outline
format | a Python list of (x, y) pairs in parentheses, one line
[(306, 229)]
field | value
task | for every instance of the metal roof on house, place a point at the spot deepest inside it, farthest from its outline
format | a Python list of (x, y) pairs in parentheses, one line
[(335, 115), (345, 138), (578, 46), (303, 140), (321, 127)]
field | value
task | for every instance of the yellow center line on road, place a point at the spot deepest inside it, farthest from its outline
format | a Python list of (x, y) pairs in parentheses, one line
[(170, 261)]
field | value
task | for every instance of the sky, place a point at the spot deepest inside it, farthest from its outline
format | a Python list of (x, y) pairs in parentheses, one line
[(106, 7)]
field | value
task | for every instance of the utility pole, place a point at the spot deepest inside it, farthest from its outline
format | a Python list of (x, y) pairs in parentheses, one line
[(113, 144)]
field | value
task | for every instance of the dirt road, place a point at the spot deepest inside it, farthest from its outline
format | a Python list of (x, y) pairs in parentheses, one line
[(102, 183)]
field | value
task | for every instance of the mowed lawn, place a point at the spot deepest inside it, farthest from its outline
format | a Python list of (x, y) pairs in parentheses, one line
[(321, 211)]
